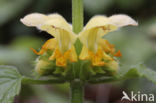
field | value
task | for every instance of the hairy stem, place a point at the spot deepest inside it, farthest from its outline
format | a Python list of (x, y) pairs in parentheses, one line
[(77, 15), (77, 94)]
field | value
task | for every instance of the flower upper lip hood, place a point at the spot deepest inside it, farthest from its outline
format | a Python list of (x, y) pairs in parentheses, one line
[(55, 25), (96, 49), (64, 38), (99, 26)]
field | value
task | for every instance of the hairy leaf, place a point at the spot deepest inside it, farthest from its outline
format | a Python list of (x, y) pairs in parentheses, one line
[(137, 71), (10, 83)]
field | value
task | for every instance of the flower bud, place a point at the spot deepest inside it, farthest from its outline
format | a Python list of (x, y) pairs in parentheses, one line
[(43, 67), (114, 65)]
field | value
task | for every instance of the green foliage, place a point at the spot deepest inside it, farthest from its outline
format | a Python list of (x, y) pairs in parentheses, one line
[(138, 70), (10, 79), (134, 46), (89, 72), (10, 83), (127, 72)]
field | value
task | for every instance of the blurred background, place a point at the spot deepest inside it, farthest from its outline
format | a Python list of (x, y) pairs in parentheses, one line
[(137, 44)]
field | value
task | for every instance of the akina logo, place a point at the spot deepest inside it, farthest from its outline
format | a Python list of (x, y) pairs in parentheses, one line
[(138, 97)]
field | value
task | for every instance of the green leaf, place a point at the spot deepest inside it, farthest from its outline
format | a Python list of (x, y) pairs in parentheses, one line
[(127, 72), (10, 83), (138, 70)]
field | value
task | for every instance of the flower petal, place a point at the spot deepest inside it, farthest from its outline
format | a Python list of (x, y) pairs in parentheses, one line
[(55, 25), (61, 59), (49, 44), (34, 19), (84, 54), (47, 23), (99, 26), (106, 46), (122, 20), (99, 21), (61, 30), (73, 55)]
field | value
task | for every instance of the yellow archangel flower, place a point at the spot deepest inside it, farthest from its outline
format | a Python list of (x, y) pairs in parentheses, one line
[(96, 49), (64, 38)]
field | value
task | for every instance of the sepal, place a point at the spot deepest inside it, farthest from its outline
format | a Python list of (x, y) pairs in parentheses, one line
[(89, 72)]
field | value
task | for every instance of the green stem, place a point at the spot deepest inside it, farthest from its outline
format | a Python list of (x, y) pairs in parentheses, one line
[(77, 22), (77, 15), (27, 80), (77, 94)]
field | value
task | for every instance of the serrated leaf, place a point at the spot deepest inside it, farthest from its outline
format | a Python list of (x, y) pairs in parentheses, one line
[(150, 75), (137, 71), (10, 83)]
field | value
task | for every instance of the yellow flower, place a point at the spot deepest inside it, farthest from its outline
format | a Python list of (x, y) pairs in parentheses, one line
[(96, 49), (64, 38)]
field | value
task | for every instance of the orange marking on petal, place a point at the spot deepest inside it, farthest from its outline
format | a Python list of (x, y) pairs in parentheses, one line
[(38, 53), (96, 58), (118, 54), (55, 55), (49, 44), (106, 46), (61, 58), (61, 61)]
